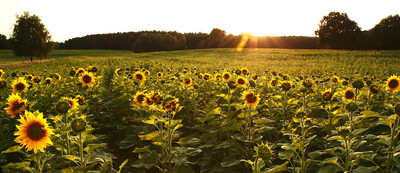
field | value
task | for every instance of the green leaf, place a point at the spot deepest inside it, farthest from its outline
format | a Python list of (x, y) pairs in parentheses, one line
[(13, 149), (329, 169), (188, 140), (215, 111), (19, 166), (128, 142), (279, 168), (149, 136), (70, 157), (146, 160), (191, 151), (229, 162), (92, 147), (367, 114), (141, 150), (362, 169), (315, 154), (122, 165), (335, 138), (332, 160)]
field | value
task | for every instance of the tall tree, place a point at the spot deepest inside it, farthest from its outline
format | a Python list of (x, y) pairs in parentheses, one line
[(30, 38), (3, 42), (337, 31), (386, 34)]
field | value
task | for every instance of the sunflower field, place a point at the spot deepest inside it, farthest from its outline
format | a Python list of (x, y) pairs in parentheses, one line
[(212, 110)]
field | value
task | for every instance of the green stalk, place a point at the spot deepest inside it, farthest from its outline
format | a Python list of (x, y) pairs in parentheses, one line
[(66, 124), (83, 163)]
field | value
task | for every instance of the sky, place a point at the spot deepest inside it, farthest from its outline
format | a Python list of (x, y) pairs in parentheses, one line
[(66, 19)]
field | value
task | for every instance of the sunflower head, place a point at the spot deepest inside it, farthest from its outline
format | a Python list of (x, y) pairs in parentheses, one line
[(159, 74), (168, 70), (117, 72), (238, 72), (47, 81), (217, 77), (72, 102), (170, 104), (156, 99), (19, 85), (16, 106), (78, 125), (254, 77), (63, 106), (1, 73), (93, 69), (200, 75), (226, 76), (57, 77), (187, 82), (34, 132), (36, 79), (80, 71), (263, 151), (30, 77), (250, 99), (87, 79), (352, 106), (3, 83), (241, 81), (327, 94), (206, 76), (244, 71), (374, 89), (232, 84), (348, 94), (285, 77), (273, 82), (80, 100), (358, 84), (72, 73), (139, 76), (335, 79), (286, 85), (393, 84), (139, 98), (147, 72), (307, 83)]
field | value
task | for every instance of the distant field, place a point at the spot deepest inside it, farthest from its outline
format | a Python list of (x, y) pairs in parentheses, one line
[(298, 62)]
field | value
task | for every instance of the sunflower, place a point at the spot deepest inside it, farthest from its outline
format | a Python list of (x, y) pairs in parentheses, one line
[(36, 79), (155, 98), (273, 82), (147, 72), (30, 77), (286, 85), (217, 77), (187, 82), (254, 77), (168, 70), (335, 79), (80, 100), (47, 81), (374, 89), (238, 72), (393, 84), (16, 105), (87, 79), (206, 76), (139, 77), (80, 70), (285, 77), (170, 105), (57, 77), (244, 71), (349, 95), (19, 85), (34, 133), (226, 76), (241, 81), (139, 98), (159, 74), (327, 94), (72, 102), (307, 83), (1, 72), (117, 72), (251, 99), (200, 75)]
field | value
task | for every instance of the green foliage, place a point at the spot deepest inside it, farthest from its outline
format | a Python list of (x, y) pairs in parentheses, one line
[(30, 37), (385, 34)]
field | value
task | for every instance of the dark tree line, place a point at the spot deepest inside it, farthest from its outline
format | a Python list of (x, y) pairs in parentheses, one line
[(3, 42)]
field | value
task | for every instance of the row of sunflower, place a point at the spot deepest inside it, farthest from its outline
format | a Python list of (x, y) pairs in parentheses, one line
[(147, 119)]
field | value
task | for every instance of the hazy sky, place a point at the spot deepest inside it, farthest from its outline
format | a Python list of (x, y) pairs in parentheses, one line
[(74, 18)]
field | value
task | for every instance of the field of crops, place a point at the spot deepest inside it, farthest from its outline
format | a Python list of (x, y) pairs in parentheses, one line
[(215, 110)]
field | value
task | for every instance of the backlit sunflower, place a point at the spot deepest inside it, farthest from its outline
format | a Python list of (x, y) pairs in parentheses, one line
[(349, 95), (155, 98), (80, 100), (36, 79), (217, 77), (254, 77), (251, 99), (30, 77), (147, 72), (34, 133), (117, 72), (139, 98), (87, 79), (159, 74), (168, 70), (393, 84), (244, 71), (139, 77), (335, 79), (226, 76), (241, 81), (286, 85), (80, 70), (1, 72), (170, 105), (57, 77), (47, 81), (16, 106), (200, 75), (187, 82), (19, 85), (273, 82), (327, 94), (72, 102), (206, 76), (307, 83)]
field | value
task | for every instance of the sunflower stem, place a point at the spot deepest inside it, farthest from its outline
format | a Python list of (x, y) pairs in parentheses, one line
[(66, 124), (83, 162)]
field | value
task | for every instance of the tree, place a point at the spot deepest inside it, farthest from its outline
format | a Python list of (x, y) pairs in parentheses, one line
[(337, 31), (3, 42), (30, 38), (386, 34)]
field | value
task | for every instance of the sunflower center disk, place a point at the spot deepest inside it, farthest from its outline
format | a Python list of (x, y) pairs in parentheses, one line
[(20, 86), (349, 95), (393, 84), (87, 79), (35, 131), (251, 98)]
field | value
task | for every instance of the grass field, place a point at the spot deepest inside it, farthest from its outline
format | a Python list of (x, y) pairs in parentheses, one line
[(207, 110)]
